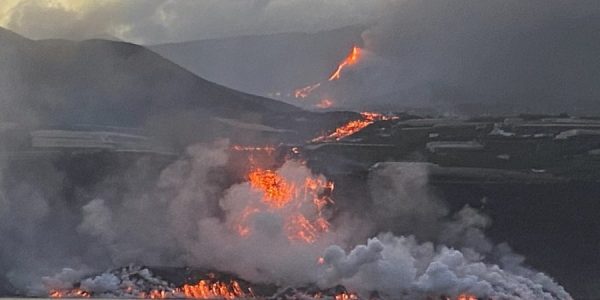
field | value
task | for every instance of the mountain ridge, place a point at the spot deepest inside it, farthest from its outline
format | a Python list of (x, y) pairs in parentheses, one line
[(265, 64), (61, 83)]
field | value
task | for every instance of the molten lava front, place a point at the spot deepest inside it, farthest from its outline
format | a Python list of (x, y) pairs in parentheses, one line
[(74, 293), (290, 206), (352, 127), (211, 290), (324, 103), (277, 191), (301, 204), (346, 296), (305, 91), (350, 60), (204, 289), (466, 297)]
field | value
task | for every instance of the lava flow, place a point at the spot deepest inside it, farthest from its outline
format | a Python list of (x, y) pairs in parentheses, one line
[(354, 57), (324, 103), (74, 293), (352, 127), (214, 290), (350, 60), (204, 289), (277, 191), (301, 204), (346, 296), (305, 91), (466, 297)]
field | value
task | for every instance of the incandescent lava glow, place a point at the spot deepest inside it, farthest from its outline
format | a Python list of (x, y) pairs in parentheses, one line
[(305, 91), (205, 289), (350, 60), (346, 296), (352, 127), (353, 58), (301, 203), (466, 297), (277, 191), (73, 293), (324, 103)]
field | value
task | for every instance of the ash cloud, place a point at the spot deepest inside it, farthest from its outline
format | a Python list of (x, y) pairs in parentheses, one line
[(161, 21), (456, 56), (483, 57)]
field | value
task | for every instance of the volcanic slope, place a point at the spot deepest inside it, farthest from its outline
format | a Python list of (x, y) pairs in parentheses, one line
[(64, 83), (265, 64)]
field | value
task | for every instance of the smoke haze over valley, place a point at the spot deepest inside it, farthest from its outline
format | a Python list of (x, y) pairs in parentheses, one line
[(532, 56), (287, 149)]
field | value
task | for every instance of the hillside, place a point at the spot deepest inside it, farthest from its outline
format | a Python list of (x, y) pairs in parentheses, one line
[(60, 83), (268, 63)]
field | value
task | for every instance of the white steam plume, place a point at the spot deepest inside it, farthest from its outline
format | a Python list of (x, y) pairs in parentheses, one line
[(189, 218)]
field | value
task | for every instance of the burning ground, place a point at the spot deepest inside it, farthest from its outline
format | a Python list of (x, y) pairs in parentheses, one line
[(277, 224), (244, 216)]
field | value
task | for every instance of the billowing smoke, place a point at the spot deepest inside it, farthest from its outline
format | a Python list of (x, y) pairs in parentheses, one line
[(403, 200), (396, 266), (480, 57), (192, 216)]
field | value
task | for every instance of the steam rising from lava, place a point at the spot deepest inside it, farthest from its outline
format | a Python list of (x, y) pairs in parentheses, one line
[(279, 226), (300, 205)]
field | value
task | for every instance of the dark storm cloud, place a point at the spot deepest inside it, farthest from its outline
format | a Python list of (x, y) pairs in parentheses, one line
[(457, 55), (491, 56), (156, 21)]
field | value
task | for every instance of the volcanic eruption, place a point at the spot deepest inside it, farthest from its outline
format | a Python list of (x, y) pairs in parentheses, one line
[(352, 127), (279, 227), (255, 198), (351, 59)]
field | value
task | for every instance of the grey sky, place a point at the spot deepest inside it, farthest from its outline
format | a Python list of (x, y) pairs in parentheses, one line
[(158, 21)]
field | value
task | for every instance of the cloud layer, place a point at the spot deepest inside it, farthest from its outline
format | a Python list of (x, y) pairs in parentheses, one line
[(157, 21), (480, 57)]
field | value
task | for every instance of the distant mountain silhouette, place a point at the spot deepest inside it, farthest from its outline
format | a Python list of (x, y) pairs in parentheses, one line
[(107, 84), (266, 63), (63, 83)]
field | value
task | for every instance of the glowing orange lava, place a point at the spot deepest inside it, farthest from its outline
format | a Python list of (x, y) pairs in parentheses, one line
[(350, 60), (301, 204), (277, 191), (206, 289), (352, 127), (353, 57), (346, 296), (305, 91), (324, 103), (466, 297), (74, 293)]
